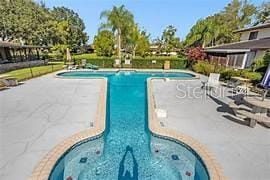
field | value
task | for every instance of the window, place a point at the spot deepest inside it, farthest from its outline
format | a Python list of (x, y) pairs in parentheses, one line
[(253, 35)]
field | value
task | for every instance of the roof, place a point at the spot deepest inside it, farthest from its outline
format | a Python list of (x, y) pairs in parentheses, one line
[(156, 47), (17, 45), (261, 26), (243, 46)]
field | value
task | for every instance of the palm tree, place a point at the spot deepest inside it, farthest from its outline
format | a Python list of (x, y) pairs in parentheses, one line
[(119, 20)]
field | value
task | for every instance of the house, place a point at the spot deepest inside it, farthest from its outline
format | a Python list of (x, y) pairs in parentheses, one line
[(254, 42), (15, 56), (155, 50)]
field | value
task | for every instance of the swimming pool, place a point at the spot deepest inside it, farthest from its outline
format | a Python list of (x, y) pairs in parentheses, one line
[(127, 149)]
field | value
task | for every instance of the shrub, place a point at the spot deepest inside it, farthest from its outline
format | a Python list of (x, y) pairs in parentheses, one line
[(225, 74), (262, 62), (196, 53), (101, 62), (253, 76), (203, 67)]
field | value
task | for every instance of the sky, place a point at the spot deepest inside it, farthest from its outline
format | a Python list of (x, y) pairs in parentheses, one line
[(151, 15)]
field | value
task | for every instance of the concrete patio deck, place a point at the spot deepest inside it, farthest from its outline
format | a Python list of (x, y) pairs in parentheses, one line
[(38, 115), (243, 152)]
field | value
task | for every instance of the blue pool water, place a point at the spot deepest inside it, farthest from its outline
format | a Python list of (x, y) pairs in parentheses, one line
[(127, 150)]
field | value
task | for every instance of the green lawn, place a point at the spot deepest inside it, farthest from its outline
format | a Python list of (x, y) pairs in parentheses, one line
[(27, 73)]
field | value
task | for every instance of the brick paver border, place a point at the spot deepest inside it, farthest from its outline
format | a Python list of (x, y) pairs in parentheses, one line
[(45, 166), (214, 169)]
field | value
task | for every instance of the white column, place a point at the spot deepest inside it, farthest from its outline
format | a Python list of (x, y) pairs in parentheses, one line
[(244, 61)]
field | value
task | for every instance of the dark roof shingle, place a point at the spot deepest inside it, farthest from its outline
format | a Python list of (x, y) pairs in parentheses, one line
[(259, 44), (261, 26)]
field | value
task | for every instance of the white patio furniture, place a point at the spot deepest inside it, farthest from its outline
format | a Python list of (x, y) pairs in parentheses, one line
[(161, 113), (240, 85), (212, 82), (127, 61), (117, 63), (84, 61)]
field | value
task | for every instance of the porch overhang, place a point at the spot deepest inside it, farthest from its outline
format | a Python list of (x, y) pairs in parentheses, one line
[(227, 51)]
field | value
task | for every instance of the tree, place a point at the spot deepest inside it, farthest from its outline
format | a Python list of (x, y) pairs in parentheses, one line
[(29, 22), (137, 41), (169, 39), (133, 39), (104, 43), (143, 44), (24, 21), (120, 21), (70, 27), (158, 42), (218, 28), (238, 13), (263, 13)]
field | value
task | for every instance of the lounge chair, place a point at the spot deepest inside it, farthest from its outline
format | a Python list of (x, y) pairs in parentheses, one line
[(83, 63), (212, 82), (91, 66), (117, 63), (72, 67), (9, 80), (3, 85), (127, 63)]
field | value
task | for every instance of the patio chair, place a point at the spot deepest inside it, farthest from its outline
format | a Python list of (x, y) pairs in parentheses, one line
[(212, 82), (91, 66)]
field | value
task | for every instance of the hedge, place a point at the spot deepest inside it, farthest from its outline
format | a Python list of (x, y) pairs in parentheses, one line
[(175, 63), (205, 68), (138, 62)]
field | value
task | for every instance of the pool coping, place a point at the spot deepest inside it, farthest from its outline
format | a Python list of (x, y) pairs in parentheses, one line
[(196, 75), (43, 169), (214, 169), (46, 164)]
